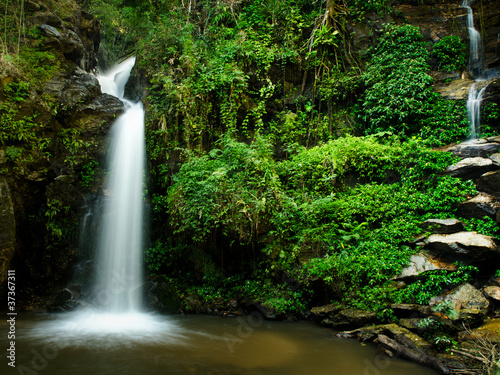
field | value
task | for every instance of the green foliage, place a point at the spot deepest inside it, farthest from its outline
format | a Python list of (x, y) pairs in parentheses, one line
[(13, 153), (233, 188), (446, 122), (88, 173), (450, 53), (435, 282), (486, 226), (490, 119), (399, 96), (398, 86), (240, 94), (368, 5)]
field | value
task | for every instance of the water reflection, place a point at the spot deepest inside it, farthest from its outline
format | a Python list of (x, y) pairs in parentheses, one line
[(148, 344)]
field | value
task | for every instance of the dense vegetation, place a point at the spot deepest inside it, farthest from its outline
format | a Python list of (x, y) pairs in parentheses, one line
[(287, 166), (280, 152)]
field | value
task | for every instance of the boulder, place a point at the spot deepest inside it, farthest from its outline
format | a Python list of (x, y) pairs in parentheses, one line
[(324, 311), (412, 323), (162, 296), (66, 300), (464, 300), (410, 309), (421, 263), (479, 206), (72, 46), (471, 168), (49, 31), (442, 226), (7, 230), (492, 292), (495, 158), (400, 334), (469, 246), (489, 332), (84, 88), (495, 138), (489, 183), (351, 318), (457, 89), (475, 148)]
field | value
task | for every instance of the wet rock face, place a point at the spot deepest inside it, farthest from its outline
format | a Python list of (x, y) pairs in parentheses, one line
[(77, 37), (73, 118), (7, 232)]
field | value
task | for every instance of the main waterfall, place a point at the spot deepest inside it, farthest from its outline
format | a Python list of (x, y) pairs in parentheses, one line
[(116, 315), (120, 245)]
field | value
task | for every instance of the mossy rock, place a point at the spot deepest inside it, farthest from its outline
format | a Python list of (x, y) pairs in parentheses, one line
[(489, 331)]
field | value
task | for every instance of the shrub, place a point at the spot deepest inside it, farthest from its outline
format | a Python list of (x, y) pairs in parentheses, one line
[(450, 52)]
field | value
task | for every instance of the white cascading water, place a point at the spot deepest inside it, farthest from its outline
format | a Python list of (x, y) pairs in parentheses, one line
[(476, 68), (117, 317), (474, 109), (119, 251), (475, 43)]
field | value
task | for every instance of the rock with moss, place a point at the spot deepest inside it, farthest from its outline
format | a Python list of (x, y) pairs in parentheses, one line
[(465, 303)]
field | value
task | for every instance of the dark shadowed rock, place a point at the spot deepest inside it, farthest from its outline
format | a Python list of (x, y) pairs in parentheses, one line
[(352, 318), (442, 226), (66, 300), (323, 311), (471, 168), (84, 88), (476, 148), (489, 183), (7, 230), (479, 206), (162, 296), (470, 246), (410, 309), (72, 46), (50, 31)]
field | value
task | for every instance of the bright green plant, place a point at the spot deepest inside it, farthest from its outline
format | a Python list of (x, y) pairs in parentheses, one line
[(450, 53), (433, 284)]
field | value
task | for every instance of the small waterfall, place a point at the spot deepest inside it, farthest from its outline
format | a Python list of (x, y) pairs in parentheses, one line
[(474, 109), (119, 248), (476, 67), (475, 42)]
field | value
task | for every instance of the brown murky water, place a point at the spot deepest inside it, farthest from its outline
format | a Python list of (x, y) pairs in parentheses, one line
[(56, 345)]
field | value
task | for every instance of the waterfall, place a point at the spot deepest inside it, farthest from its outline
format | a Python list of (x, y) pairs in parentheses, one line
[(475, 43), (476, 67), (117, 316), (119, 247), (474, 109)]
